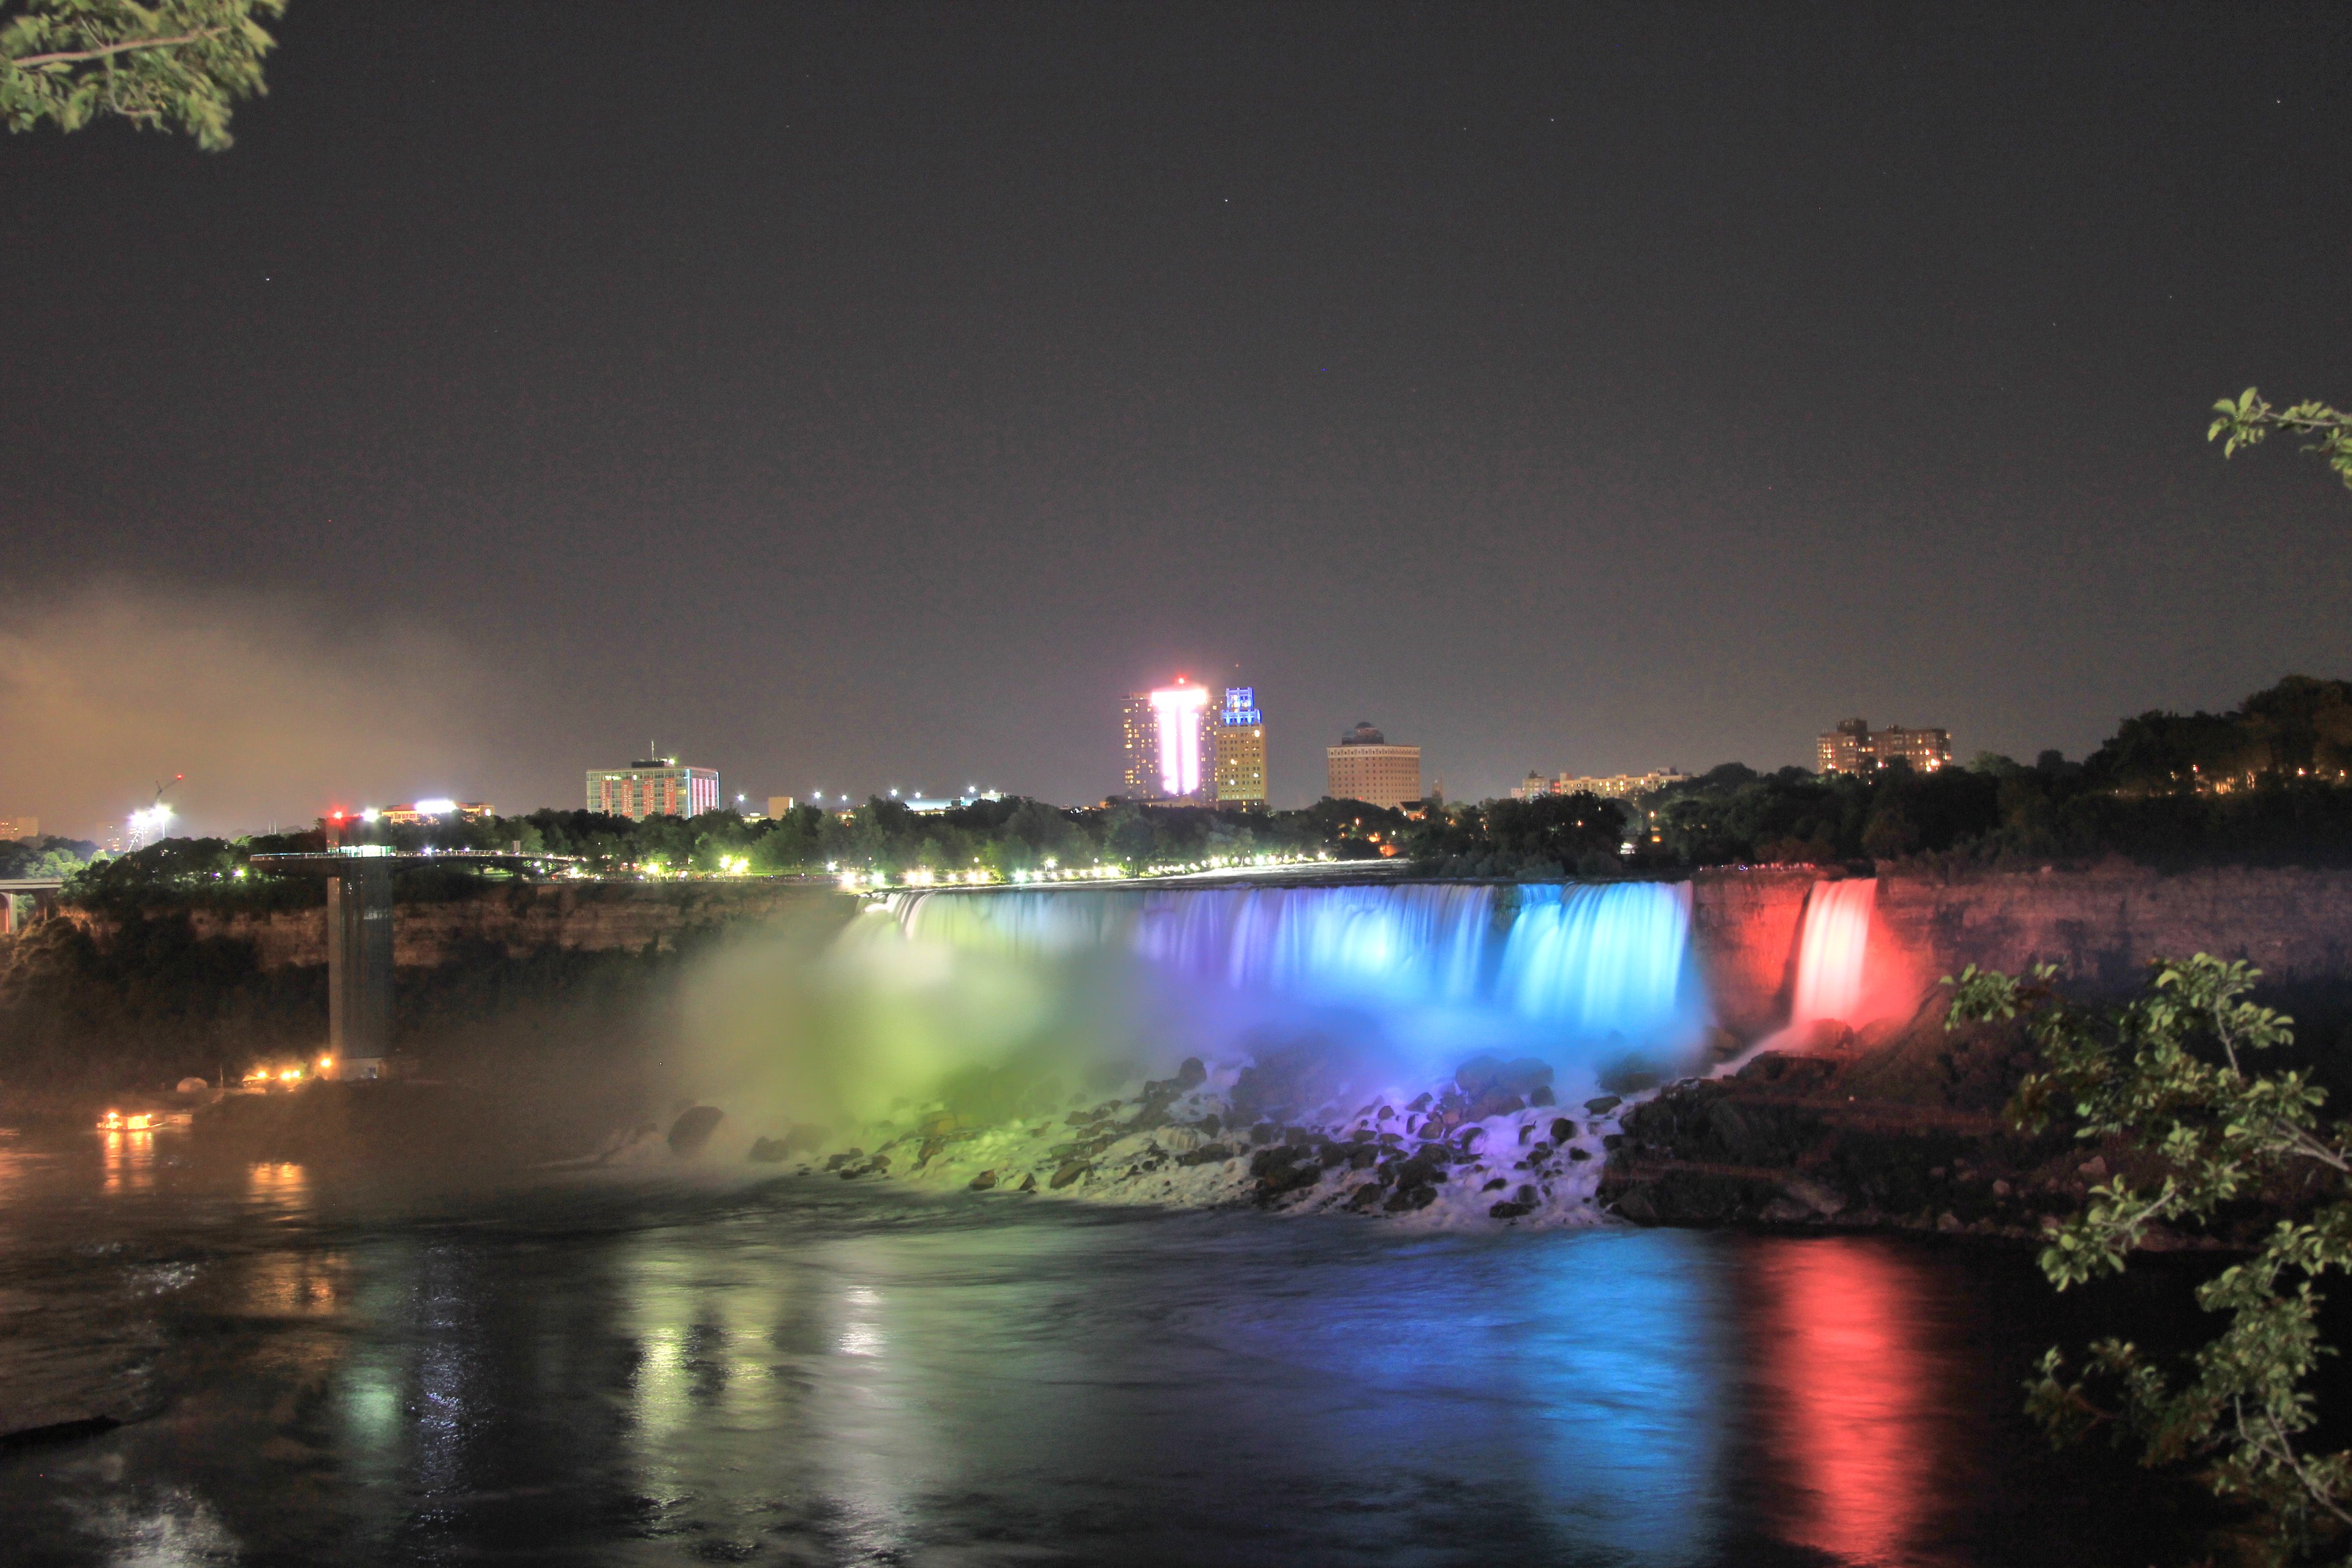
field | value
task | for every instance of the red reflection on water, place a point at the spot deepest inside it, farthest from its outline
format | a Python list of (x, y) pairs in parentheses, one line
[(1840, 1348)]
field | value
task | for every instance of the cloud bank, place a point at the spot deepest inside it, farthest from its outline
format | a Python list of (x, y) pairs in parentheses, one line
[(273, 708)]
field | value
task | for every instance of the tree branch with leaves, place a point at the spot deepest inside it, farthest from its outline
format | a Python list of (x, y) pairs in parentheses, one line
[(2248, 421), (2169, 1074), (174, 65)]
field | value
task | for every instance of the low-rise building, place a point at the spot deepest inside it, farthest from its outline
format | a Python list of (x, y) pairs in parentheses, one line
[(1854, 747), (652, 787), (24, 829), (435, 810), (1609, 786), (1364, 766)]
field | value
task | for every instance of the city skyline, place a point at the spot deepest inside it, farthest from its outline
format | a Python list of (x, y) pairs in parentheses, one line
[(921, 423)]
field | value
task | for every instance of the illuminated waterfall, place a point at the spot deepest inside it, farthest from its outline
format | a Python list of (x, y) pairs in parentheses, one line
[(1833, 952), (1421, 943), (1576, 974), (1600, 959)]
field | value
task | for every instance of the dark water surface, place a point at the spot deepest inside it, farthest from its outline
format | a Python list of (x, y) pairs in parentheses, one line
[(638, 1370)]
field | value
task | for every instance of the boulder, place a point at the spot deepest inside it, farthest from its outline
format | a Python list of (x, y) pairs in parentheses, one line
[(1603, 1105), (768, 1151), (692, 1130), (984, 1180), (1075, 1171), (1028, 1185), (1289, 1178), (1508, 1210), (1562, 1130)]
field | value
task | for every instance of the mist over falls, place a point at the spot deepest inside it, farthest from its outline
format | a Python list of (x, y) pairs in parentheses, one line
[(935, 1012)]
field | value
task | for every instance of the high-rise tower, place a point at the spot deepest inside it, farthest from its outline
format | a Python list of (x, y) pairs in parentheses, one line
[(1240, 767), (1167, 743)]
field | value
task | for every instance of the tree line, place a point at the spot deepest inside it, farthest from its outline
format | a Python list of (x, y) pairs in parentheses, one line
[(2269, 782)]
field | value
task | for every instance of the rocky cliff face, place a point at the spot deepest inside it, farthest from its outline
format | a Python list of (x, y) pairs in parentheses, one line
[(2101, 927), (1744, 935), (522, 919)]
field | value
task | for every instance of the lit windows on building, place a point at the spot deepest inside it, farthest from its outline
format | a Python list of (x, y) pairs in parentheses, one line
[(1609, 786), (1363, 766), (652, 787), (1240, 751), (1854, 747), (1167, 741), (417, 813)]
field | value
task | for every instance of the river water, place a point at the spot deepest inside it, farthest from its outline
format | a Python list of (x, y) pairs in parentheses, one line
[(639, 1369)]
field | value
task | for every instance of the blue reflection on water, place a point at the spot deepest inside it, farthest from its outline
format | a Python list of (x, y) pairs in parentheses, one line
[(809, 1373), (1579, 1384)]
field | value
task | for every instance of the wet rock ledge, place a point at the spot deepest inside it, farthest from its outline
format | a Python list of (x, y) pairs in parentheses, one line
[(1900, 1127)]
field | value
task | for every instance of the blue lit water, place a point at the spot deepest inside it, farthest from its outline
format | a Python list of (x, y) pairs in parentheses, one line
[(1586, 977), (647, 1372)]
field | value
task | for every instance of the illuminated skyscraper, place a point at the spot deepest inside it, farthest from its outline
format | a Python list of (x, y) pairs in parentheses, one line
[(1167, 739), (1240, 751)]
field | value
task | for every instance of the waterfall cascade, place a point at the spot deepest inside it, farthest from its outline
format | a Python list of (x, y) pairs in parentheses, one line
[(1833, 953), (1203, 1044), (1573, 972)]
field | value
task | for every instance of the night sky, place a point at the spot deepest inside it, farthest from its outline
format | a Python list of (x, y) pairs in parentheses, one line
[(851, 396)]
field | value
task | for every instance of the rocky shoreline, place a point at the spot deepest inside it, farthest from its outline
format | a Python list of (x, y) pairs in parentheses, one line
[(1492, 1146), (1899, 1129)]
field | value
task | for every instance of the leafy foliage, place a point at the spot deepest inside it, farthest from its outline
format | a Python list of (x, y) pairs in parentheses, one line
[(2269, 782), (2170, 1076), (50, 856), (175, 64), (2247, 421)]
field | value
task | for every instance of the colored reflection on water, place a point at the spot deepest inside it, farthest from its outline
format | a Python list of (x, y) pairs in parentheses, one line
[(801, 1373), (277, 1184), (128, 1158), (1838, 1338)]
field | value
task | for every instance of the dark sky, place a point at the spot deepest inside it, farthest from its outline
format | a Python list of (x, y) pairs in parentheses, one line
[(861, 395)]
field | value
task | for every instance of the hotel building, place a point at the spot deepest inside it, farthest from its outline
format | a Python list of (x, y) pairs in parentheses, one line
[(1168, 745), (1364, 766), (1854, 747), (1240, 751), (1609, 786), (652, 787)]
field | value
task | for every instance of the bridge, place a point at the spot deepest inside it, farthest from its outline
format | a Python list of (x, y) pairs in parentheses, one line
[(359, 936), (38, 889)]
